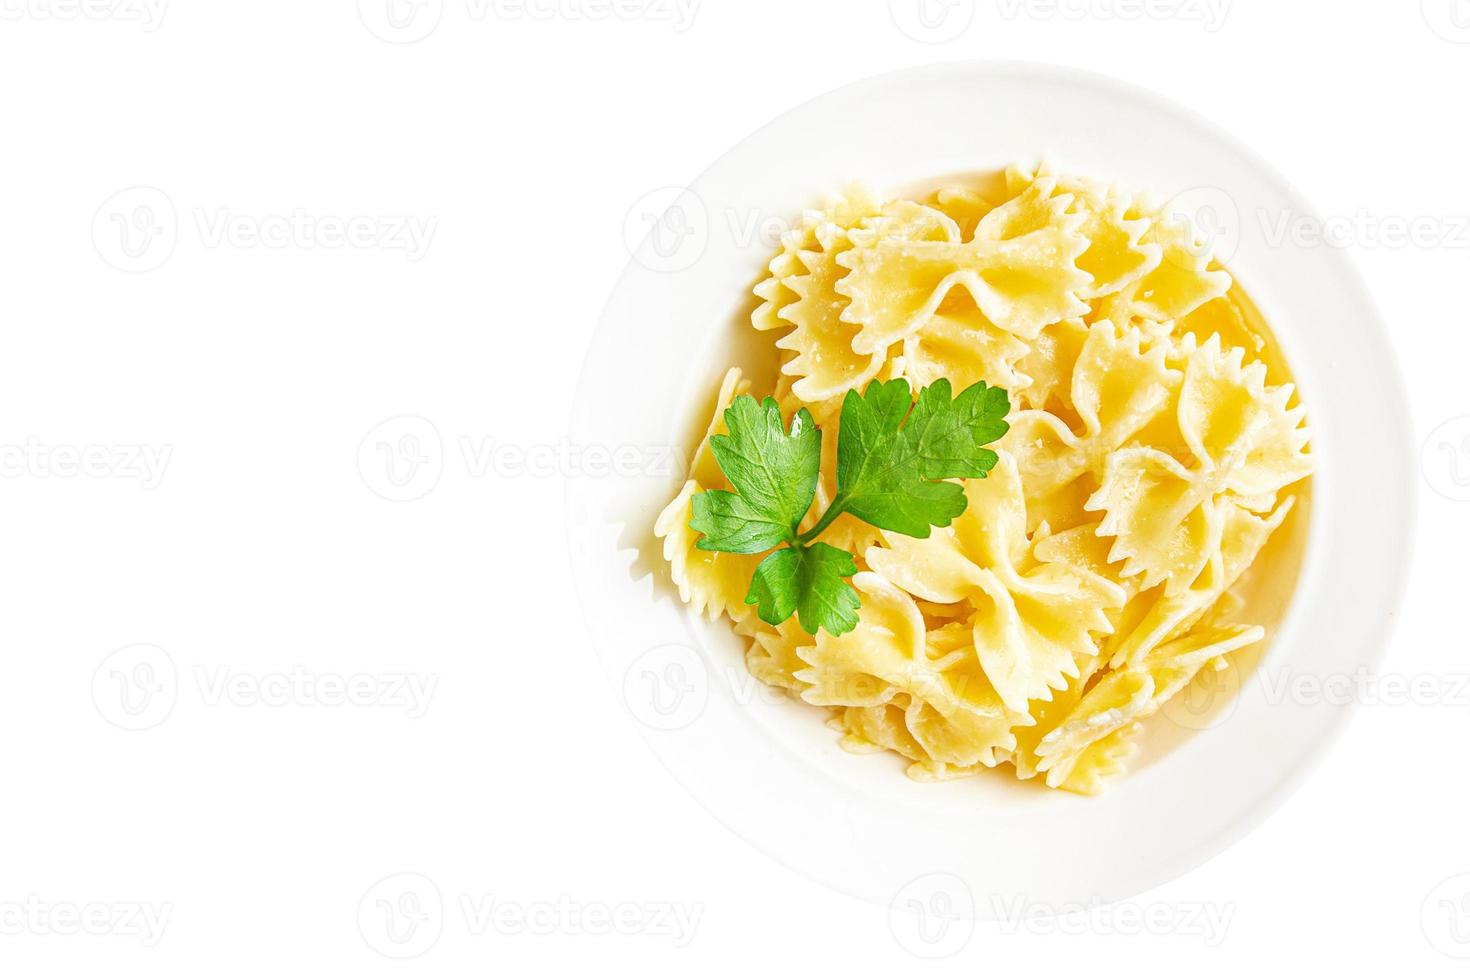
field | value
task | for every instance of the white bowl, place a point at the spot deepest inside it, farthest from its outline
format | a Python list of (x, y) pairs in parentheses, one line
[(769, 768)]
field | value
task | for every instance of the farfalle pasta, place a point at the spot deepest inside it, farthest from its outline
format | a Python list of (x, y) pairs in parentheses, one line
[(1155, 446)]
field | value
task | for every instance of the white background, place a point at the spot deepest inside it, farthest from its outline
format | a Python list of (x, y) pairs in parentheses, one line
[(251, 359)]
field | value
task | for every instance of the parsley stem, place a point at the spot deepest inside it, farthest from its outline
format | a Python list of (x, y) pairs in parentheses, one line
[(834, 510)]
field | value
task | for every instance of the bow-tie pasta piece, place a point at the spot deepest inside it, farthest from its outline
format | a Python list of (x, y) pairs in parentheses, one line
[(1022, 273), (964, 347), (882, 657), (1048, 365), (1019, 176), (1242, 536), (1163, 260), (1030, 624), (825, 364), (1242, 440), (1162, 516), (1119, 252), (1030, 632), (710, 582), (1081, 549), (772, 291), (1121, 698), (844, 210), (1117, 388), (1087, 553), (1180, 283), (950, 715), (1225, 318), (1105, 757), (773, 656), (968, 728), (967, 731), (1233, 422), (1103, 760), (879, 728), (966, 206)]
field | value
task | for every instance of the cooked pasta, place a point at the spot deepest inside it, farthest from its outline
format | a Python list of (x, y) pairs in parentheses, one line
[(1151, 454)]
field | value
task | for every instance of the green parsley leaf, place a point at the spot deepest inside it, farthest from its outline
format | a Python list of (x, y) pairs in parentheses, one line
[(894, 458), (774, 475), (948, 435), (809, 581), (731, 523), (887, 467)]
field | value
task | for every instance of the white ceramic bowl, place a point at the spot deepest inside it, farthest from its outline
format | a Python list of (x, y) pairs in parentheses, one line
[(769, 768)]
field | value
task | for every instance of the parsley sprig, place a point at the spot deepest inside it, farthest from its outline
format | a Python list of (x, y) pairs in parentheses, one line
[(895, 457)]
